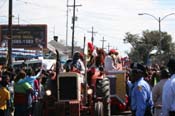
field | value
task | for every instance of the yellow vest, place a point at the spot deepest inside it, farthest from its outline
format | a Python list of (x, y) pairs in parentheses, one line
[(4, 96)]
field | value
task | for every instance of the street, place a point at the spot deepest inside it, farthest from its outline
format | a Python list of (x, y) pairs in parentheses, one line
[(126, 113)]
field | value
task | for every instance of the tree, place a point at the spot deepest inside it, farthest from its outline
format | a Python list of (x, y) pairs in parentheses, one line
[(142, 46)]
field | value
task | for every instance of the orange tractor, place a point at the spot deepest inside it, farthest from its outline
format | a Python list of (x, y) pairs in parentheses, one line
[(79, 95), (94, 94)]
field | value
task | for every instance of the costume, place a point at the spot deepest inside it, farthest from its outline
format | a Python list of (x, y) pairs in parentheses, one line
[(91, 55), (109, 63)]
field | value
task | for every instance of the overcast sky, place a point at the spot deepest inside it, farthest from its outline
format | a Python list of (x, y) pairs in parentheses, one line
[(111, 19)]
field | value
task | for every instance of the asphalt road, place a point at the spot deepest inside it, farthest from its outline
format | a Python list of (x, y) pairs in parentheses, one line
[(126, 113)]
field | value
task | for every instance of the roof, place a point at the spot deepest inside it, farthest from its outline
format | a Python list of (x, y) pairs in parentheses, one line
[(53, 45)]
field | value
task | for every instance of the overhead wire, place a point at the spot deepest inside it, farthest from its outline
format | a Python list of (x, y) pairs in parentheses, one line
[(99, 33), (45, 7), (39, 5), (31, 3), (101, 16), (3, 4)]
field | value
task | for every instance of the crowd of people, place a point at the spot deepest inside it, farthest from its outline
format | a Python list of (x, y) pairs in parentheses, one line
[(150, 89), (22, 88)]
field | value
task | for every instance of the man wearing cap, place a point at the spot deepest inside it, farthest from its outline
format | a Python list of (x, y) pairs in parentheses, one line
[(168, 95), (141, 97)]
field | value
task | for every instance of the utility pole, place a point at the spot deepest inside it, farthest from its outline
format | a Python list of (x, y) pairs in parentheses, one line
[(108, 47), (160, 36), (84, 44), (73, 24), (67, 21), (18, 19), (54, 31), (116, 48), (103, 40), (9, 58), (92, 32)]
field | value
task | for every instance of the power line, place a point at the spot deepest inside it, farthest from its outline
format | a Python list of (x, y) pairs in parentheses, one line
[(108, 46), (67, 23), (92, 32), (73, 23), (100, 34), (103, 41), (2, 5), (31, 3), (39, 5)]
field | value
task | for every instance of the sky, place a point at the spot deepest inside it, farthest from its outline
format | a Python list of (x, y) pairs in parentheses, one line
[(111, 19)]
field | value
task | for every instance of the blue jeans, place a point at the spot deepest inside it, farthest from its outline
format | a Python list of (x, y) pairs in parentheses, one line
[(2, 112), (20, 110)]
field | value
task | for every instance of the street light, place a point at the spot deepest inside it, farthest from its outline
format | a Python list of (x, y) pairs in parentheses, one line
[(159, 21)]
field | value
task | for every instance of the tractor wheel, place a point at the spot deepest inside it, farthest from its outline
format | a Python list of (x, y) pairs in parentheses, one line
[(99, 109), (103, 90)]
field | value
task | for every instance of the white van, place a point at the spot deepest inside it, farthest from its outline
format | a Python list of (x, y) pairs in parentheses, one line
[(28, 63)]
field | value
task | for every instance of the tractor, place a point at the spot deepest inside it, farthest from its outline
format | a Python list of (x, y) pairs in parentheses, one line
[(80, 95), (118, 91), (96, 93)]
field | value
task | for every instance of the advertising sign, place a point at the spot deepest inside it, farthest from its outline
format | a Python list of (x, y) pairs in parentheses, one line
[(25, 36)]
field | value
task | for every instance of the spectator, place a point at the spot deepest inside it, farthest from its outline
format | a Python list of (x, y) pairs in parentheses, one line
[(4, 98), (157, 92), (9, 87), (141, 96), (30, 76), (22, 91), (168, 101)]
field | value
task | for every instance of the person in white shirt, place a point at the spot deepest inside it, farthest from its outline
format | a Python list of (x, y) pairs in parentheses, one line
[(168, 95), (109, 63)]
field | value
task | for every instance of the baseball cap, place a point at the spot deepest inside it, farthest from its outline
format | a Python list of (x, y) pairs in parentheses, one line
[(171, 63), (138, 67), (113, 51)]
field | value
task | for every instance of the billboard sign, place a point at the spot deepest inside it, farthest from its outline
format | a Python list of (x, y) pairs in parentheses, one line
[(25, 36)]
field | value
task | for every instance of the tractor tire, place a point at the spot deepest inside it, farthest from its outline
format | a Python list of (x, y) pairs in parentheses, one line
[(103, 90), (99, 109)]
